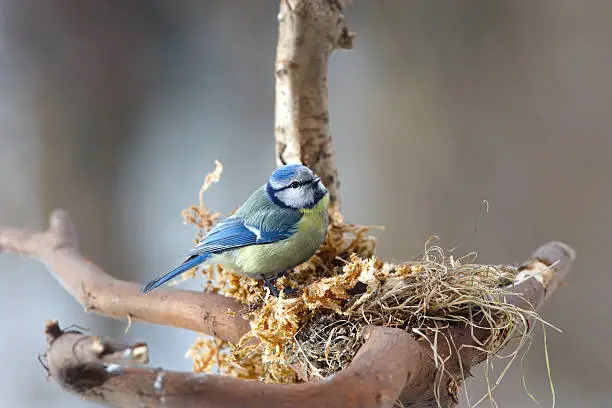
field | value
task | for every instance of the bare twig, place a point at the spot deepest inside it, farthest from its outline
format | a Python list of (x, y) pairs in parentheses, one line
[(101, 293), (309, 31)]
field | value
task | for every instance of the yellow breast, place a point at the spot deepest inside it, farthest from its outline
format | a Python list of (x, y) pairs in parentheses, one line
[(315, 217), (269, 259)]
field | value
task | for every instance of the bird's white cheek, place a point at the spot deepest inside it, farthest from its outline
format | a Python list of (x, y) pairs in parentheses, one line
[(288, 197), (297, 198)]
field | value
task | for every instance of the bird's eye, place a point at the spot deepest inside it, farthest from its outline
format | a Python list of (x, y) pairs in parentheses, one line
[(295, 184)]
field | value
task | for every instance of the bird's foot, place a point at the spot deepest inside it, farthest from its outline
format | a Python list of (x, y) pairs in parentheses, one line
[(274, 290), (289, 291), (270, 285)]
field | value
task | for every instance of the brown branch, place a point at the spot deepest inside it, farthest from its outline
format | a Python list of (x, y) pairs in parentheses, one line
[(309, 31), (538, 278), (391, 365), (101, 293), (96, 370)]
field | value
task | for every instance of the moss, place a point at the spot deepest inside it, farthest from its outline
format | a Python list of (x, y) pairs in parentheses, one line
[(344, 287)]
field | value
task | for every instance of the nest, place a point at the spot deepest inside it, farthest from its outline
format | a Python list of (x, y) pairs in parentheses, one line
[(343, 288)]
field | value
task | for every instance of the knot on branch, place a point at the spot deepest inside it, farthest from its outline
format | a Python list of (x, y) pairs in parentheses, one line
[(80, 362)]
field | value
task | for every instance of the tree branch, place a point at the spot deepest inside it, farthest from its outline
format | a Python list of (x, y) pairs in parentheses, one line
[(538, 278), (101, 293), (96, 370), (390, 365), (309, 31)]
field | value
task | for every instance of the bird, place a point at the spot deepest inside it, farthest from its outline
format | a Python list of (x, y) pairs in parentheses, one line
[(281, 225)]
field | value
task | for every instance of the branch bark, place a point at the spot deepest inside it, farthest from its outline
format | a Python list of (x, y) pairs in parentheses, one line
[(103, 294), (538, 278), (390, 365), (309, 31), (79, 365)]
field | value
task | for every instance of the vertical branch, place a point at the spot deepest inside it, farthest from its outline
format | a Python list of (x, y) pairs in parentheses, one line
[(309, 31)]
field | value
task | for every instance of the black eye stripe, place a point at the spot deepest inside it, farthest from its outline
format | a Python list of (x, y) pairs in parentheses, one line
[(302, 183)]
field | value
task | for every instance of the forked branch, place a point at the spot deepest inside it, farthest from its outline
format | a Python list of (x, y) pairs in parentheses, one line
[(390, 366), (103, 294)]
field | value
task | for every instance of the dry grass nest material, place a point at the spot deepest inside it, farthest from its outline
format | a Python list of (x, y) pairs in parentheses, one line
[(344, 287)]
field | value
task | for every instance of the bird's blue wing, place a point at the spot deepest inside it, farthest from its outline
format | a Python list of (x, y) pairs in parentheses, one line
[(258, 221), (230, 234), (235, 233)]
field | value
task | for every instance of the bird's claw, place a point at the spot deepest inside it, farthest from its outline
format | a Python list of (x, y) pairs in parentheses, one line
[(274, 290), (289, 291)]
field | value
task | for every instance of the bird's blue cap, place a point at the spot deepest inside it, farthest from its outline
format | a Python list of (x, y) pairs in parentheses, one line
[(287, 172)]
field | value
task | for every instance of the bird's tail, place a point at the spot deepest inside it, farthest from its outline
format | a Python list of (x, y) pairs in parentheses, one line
[(185, 266)]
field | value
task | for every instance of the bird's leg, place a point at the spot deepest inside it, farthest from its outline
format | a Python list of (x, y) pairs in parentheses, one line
[(281, 274), (287, 290), (269, 283)]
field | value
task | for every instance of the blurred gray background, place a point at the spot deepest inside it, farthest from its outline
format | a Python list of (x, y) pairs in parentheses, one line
[(115, 110)]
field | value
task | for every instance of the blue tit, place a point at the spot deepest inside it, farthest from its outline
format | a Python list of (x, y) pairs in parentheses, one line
[(281, 225)]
